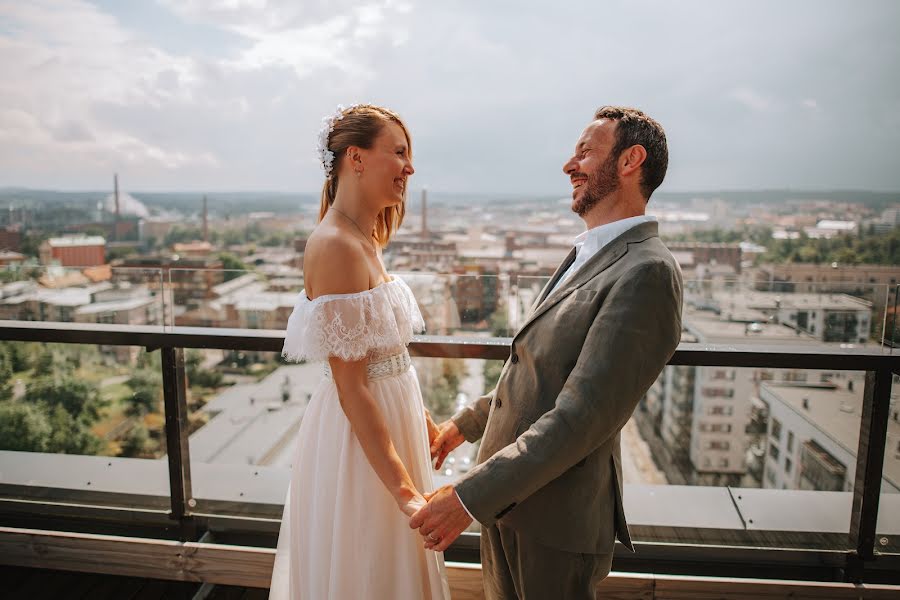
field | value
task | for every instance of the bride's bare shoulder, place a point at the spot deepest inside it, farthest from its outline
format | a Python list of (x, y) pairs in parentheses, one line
[(334, 263)]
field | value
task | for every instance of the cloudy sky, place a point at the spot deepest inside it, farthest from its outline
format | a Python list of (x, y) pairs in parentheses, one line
[(228, 94)]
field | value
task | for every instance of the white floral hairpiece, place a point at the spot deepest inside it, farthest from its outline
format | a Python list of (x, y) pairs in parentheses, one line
[(326, 156)]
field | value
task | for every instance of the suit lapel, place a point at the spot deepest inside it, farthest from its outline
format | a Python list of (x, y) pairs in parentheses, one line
[(594, 266)]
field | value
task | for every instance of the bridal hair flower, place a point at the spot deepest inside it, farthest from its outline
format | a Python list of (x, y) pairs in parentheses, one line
[(326, 156)]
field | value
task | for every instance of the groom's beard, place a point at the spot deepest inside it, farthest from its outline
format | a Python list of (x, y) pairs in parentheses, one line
[(603, 182)]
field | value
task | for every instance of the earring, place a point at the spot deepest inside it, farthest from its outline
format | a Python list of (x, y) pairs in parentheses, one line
[(359, 173)]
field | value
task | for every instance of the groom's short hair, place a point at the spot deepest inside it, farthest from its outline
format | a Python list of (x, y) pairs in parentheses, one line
[(633, 127)]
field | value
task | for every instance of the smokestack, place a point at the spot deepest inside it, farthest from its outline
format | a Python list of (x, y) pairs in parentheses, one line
[(424, 213), (205, 221), (118, 214)]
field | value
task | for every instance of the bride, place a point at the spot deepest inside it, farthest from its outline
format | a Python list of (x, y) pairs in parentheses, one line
[(361, 465)]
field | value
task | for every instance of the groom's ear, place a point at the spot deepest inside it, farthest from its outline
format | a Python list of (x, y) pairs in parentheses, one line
[(631, 159)]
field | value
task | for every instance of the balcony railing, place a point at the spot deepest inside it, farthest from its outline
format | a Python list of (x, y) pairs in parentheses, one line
[(683, 542)]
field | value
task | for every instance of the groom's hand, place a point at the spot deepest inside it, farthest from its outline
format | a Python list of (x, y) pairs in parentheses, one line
[(447, 440), (441, 520)]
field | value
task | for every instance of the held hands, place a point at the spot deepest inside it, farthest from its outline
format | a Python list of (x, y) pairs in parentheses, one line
[(448, 438), (441, 520), (412, 502)]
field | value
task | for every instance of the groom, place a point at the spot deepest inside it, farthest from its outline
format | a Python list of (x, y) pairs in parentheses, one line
[(547, 488)]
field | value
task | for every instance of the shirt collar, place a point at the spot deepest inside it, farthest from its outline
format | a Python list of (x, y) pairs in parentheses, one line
[(593, 240)]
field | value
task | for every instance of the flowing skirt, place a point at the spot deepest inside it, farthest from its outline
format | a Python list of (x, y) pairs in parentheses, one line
[(342, 535)]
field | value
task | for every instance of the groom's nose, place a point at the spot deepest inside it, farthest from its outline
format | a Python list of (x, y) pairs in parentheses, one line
[(570, 166)]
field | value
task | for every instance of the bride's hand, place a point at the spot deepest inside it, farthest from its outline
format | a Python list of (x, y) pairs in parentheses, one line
[(433, 429), (413, 504)]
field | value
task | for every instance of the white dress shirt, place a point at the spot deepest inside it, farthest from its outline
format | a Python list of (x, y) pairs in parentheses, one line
[(587, 244), (590, 242)]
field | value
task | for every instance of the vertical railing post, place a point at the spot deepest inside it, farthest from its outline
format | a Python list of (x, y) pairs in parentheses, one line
[(175, 400), (869, 469)]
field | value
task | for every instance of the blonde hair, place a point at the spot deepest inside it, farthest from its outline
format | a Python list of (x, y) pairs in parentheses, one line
[(359, 126)]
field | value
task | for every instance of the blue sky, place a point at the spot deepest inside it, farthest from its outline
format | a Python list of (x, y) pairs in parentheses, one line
[(228, 94)]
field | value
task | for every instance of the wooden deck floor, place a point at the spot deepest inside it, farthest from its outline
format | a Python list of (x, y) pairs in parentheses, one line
[(22, 583)]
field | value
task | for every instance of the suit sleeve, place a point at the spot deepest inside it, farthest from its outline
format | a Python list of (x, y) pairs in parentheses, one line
[(629, 342), (472, 420)]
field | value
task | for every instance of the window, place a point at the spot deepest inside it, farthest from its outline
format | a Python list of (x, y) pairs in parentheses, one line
[(721, 410), (773, 451), (776, 429), (787, 465), (790, 441), (716, 392), (718, 445), (723, 463), (726, 374)]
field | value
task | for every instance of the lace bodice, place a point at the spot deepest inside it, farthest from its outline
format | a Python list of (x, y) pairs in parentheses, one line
[(373, 324)]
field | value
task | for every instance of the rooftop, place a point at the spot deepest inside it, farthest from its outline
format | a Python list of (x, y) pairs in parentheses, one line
[(836, 412), (75, 241), (776, 300)]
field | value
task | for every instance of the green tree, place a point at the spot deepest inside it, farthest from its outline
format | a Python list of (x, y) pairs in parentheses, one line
[(179, 235), (232, 265), (23, 428), (146, 393), (141, 402), (440, 396), (197, 375), (137, 441), (70, 435), (80, 399), (499, 323), (44, 366), (17, 354), (6, 375)]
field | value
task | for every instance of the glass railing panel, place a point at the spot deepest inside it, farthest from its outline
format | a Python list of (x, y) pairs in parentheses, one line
[(838, 315), (245, 409), (451, 304), (526, 291), (468, 305), (230, 298), (82, 424), (887, 530), (99, 294), (779, 444)]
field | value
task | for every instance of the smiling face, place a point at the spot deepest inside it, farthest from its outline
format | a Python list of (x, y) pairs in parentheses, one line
[(386, 166), (593, 170)]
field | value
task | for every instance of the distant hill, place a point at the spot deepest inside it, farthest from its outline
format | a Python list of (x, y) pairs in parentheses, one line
[(231, 203)]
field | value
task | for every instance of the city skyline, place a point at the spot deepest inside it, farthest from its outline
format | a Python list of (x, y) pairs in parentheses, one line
[(206, 96)]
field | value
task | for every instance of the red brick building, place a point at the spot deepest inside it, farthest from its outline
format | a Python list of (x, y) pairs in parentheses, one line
[(81, 251)]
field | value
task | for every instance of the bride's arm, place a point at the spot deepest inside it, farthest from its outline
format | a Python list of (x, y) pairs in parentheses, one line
[(343, 270), (370, 428)]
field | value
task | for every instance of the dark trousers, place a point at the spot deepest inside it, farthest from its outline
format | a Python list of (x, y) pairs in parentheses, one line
[(518, 568)]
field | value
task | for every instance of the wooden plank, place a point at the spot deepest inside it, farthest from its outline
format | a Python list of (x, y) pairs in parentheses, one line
[(465, 581), (626, 586), (252, 567), (115, 555), (673, 587)]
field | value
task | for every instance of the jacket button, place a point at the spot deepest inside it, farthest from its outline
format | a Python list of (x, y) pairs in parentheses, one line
[(514, 358)]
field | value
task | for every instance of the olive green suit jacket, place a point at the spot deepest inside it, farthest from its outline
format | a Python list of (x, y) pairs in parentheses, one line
[(550, 461)]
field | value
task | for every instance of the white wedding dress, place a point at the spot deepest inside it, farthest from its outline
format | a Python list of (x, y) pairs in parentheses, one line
[(342, 535)]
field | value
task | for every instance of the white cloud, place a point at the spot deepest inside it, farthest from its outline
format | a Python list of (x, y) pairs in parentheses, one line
[(226, 94), (61, 59), (753, 99)]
